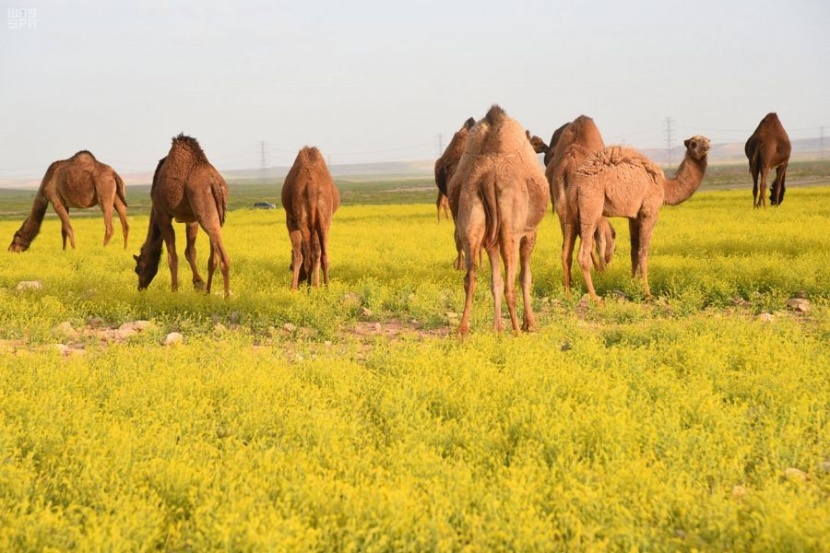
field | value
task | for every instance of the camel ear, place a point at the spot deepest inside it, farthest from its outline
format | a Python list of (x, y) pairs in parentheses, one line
[(136, 258), (469, 123), (527, 133), (686, 142)]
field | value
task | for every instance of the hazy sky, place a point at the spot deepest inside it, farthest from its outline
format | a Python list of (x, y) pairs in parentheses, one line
[(369, 80)]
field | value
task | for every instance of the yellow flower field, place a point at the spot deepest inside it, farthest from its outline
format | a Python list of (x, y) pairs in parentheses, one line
[(354, 419)]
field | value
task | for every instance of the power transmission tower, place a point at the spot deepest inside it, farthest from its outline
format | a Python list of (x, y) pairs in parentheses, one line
[(440, 144), (263, 162), (667, 123)]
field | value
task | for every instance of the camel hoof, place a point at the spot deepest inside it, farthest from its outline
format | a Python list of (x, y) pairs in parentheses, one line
[(199, 285)]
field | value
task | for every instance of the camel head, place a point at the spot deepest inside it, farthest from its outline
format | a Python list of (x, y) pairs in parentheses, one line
[(538, 144), (146, 269), (697, 146), (19, 243)]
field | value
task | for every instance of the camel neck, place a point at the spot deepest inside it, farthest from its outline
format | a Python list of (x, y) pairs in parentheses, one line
[(686, 181)]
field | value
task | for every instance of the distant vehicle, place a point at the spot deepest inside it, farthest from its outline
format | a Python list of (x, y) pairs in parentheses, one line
[(265, 205)]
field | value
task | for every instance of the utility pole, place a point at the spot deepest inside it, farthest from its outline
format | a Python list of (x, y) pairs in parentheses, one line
[(263, 164), (667, 123), (440, 144)]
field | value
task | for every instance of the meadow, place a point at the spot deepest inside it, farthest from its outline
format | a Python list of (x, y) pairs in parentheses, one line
[(352, 418)]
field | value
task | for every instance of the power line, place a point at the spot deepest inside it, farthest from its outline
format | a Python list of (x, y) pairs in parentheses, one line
[(667, 123)]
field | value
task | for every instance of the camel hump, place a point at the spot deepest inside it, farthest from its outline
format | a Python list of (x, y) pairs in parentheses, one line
[(191, 144), (310, 155), (83, 156), (495, 114)]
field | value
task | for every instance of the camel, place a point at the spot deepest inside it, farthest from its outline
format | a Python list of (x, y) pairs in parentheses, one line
[(572, 145), (310, 198), (188, 189), (446, 164), (502, 198), (768, 147), (80, 182), (621, 182)]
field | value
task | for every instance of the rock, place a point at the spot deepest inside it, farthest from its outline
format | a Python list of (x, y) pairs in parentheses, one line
[(173, 338), (288, 327), (29, 285), (63, 349), (738, 492), (765, 317), (365, 312), (799, 304), (795, 475), (65, 330), (138, 326)]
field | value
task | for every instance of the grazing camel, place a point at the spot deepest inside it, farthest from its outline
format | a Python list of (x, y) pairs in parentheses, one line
[(768, 147), (310, 198), (80, 182), (621, 182), (572, 145), (446, 164), (502, 198), (188, 189)]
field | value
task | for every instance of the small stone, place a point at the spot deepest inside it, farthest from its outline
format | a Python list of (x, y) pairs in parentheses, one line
[(328, 343), (738, 492), (173, 338), (377, 327), (65, 329), (137, 326), (29, 285), (288, 327), (795, 475), (765, 317), (799, 304), (365, 312), (566, 346)]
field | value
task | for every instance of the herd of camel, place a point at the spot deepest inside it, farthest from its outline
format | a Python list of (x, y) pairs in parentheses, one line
[(489, 179)]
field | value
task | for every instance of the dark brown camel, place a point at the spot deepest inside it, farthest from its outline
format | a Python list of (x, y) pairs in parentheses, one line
[(188, 189), (571, 146), (310, 198), (80, 182), (446, 164), (768, 147), (621, 182), (502, 198)]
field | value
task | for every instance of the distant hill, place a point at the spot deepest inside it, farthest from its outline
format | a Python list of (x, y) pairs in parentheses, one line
[(725, 153)]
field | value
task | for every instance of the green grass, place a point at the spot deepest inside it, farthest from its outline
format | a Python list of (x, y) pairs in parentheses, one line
[(348, 419)]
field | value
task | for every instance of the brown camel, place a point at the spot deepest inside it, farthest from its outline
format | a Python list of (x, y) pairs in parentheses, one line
[(768, 147), (446, 164), (188, 189), (80, 182), (573, 144), (621, 182), (554, 140), (502, 198), (310, 198)]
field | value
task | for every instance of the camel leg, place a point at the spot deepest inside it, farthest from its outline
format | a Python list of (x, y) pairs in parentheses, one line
[(324, 256), (296, 257), (509, 252), (106, 208), (586, 235), (646, 229), (191, 231), (169, 236), (762, 188), (568, 243), (754, 172), (469, 290), (314, 274), (525, 249), (218, 254), (438, 205), (777, 192), (634, 233), (66, 226), (496, 285), (121, 209)]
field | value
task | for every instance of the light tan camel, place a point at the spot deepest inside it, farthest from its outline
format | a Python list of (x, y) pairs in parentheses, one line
[(502, 198), (310, 198), (188, 189), (80, 182), (621, 182), (446, 164), (573, 144), (768, 147)]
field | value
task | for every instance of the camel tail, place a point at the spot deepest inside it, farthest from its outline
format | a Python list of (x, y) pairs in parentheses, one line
[(220, 196), (491, 211), (120, 189)]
